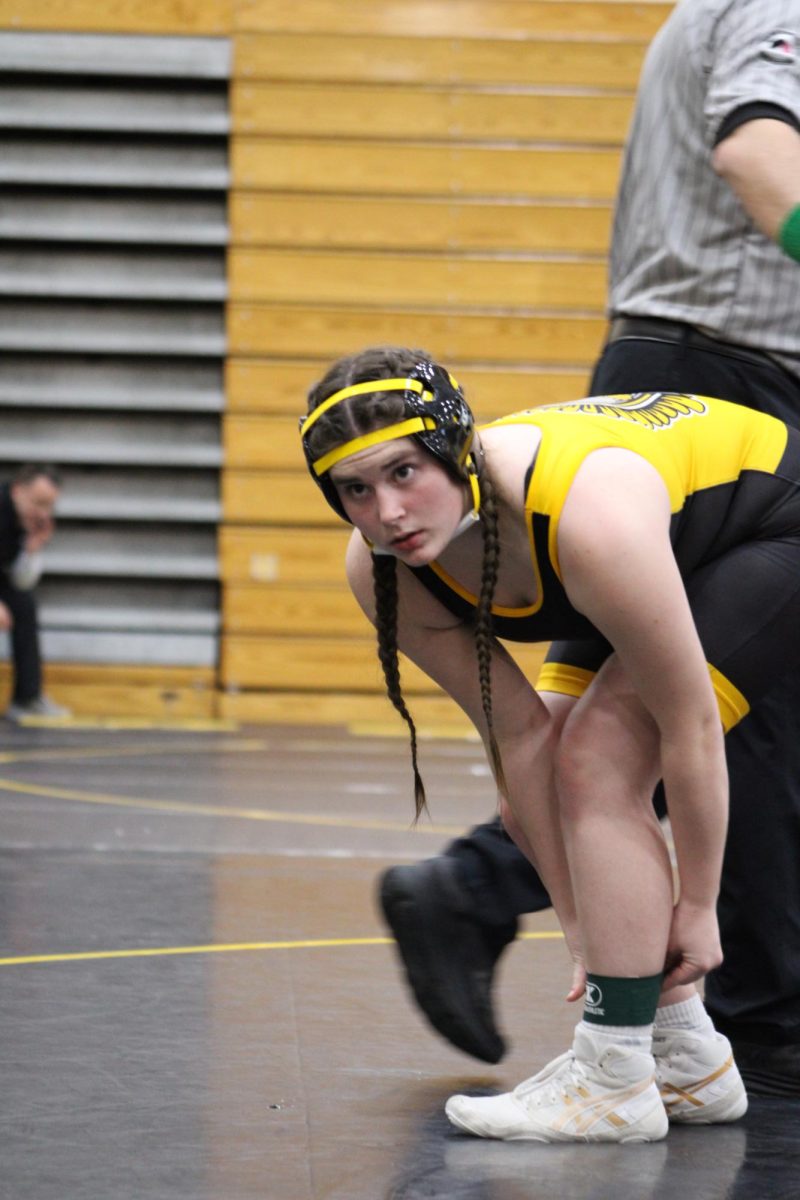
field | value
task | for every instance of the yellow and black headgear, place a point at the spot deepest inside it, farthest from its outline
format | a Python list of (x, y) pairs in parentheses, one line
[(436, 414)]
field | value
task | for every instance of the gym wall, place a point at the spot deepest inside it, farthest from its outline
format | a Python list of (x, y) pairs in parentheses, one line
[(436, 173)]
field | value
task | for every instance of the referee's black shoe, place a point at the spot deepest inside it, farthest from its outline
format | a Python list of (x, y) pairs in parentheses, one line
[(768, 1070), (448, 954)]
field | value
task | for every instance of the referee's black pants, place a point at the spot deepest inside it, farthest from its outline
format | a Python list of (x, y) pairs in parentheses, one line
[(755, 994), (24, 638)]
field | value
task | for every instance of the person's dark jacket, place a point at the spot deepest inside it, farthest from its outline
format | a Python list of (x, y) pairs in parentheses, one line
[(12, 535)]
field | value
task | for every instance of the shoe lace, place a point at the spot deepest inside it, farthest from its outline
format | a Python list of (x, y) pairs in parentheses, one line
[(563, 1079)]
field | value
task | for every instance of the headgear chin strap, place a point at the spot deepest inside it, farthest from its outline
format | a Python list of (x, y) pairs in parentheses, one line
[(436, 415)]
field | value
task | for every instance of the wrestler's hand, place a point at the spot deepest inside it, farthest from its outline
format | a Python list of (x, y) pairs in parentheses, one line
[(39, 534), (694, 947), (578, 986), (6, 620)]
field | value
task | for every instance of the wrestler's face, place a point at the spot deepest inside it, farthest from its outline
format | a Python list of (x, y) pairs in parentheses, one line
[(401, 499)]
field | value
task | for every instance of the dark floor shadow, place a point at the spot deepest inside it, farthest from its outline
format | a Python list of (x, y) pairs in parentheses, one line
[(757, 1158), (771, 1166)]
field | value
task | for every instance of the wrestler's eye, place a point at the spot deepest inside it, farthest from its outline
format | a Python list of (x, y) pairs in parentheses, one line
[(353, 490)]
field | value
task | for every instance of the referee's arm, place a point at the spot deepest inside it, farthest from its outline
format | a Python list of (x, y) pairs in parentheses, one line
[(758, 154)]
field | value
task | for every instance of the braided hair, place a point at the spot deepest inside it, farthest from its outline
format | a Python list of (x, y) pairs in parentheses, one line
[(384, 581), (361, 414), (483, 617)]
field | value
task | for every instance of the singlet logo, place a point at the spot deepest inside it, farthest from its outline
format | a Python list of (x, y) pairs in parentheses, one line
[(654, 410), (593, 1000), (780, 47)]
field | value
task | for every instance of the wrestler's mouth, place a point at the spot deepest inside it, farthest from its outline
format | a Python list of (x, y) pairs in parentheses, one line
[(407, 541)]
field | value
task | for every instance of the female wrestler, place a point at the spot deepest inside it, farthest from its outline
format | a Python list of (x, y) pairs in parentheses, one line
[(658, 537)]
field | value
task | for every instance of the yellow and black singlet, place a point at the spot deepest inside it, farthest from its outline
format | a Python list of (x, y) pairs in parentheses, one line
[(733, 477)]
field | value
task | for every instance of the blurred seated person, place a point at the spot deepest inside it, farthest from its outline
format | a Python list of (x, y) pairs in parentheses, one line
[(27, 504)]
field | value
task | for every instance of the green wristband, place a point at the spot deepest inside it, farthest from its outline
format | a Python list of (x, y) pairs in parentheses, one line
[(789, 235)]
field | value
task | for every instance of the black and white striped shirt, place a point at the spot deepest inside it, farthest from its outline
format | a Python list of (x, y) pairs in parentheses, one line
[(684, 248)]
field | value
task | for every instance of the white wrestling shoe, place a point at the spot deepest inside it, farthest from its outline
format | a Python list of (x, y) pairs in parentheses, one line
[(579, 1097), (697, 1077)]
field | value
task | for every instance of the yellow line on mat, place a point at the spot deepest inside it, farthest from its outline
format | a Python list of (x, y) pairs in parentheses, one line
[(219, 810), (235, 947)]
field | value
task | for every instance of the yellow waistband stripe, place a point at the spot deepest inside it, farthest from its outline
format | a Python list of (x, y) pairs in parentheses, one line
[(388, 434), (573, 681), (564, 678), (364, 389), (731, 703)]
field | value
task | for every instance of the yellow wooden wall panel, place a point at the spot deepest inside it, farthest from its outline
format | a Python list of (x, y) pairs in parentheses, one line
[(504, 337), (422, 19), (262, 441), (128, 674), (416, 223), (342, 111), (414, 280), (343, 58), (286, 556), (107, 701), (310, 664), (270, 385), (494, 393), (379, 168), (188, 17), (275, 386), (395, 184), (330, 664), (158, 693), (275, 498), (330, 611), (281, 609), (434, 716), (609, 20)]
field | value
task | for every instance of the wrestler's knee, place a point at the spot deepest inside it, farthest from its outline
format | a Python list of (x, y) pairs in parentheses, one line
[(606, 753)]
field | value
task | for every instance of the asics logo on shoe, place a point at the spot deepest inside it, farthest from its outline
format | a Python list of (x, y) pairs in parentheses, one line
[(698, 1079), (580, 1116), (672, 1095)]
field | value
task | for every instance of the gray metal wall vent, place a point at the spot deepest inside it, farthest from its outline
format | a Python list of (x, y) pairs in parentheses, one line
[(113, 229)]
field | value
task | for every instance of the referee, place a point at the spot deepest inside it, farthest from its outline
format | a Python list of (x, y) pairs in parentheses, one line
[(704, 298)]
